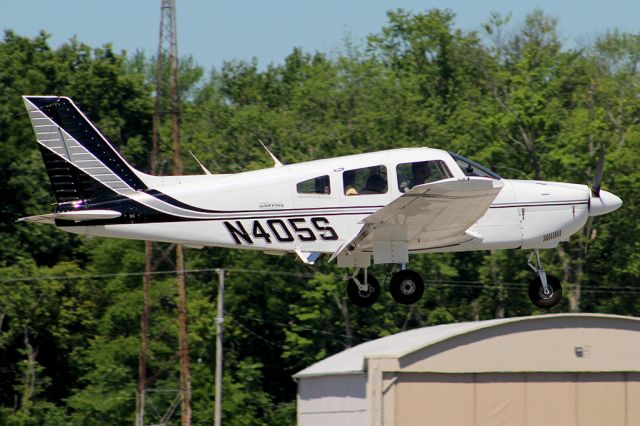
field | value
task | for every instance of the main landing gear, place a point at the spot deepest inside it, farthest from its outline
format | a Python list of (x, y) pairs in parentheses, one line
[(363, 288), (545, 290), (406, 287)]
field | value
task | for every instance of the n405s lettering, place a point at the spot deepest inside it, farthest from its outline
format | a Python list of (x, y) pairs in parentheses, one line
[(281, 230)]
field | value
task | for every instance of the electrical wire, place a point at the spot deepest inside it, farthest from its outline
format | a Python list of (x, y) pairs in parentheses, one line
[(434, 283), (284, 325), (139, 274), (258, 336)]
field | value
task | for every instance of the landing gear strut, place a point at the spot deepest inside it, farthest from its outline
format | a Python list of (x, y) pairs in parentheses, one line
[(363, 289), (545, 290)]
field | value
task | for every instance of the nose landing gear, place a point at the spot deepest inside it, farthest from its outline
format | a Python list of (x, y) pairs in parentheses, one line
[(545, 290)]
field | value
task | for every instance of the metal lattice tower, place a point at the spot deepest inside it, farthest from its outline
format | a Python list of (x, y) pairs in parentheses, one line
[(167, 103), (167, 69)]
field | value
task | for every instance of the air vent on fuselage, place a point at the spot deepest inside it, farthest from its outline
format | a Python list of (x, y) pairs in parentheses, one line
[(552, 235)]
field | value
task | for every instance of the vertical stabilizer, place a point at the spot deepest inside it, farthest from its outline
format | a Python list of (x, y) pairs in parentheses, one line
[(80, 161)]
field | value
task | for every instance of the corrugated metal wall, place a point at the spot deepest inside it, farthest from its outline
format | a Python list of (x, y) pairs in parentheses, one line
[(563, 399), (332, 400)]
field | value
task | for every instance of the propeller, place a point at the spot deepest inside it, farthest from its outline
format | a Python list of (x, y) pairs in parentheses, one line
[(595, 193), (597, 179)]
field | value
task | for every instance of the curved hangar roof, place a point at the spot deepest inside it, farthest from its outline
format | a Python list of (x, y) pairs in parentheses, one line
[(353, 360)]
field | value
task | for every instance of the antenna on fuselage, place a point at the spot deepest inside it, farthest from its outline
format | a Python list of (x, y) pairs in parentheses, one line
[(206, 172), (276, 162)]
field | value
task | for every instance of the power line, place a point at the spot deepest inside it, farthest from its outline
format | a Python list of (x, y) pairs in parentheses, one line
[(139, 274), (285, 325), (435, 283), (256, 335)]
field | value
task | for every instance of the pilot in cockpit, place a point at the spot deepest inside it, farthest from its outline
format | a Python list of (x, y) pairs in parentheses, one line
[(420, 173)]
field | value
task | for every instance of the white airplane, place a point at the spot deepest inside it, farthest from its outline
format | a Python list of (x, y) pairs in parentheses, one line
[(382, 205)]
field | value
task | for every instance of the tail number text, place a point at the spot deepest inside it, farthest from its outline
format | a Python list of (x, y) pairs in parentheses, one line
[(281, 230)]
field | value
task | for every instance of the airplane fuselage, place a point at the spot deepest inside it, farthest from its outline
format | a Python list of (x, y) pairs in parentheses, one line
[(262, 210), (383, 206)]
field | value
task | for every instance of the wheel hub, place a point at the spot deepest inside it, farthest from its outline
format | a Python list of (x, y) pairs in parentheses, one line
[(408, 287), (366, 292), (548, 294)]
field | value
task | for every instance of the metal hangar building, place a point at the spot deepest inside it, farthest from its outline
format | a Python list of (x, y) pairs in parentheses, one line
[(565, 369)]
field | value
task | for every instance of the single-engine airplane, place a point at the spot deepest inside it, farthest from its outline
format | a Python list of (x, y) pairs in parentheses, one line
[(382, 205)]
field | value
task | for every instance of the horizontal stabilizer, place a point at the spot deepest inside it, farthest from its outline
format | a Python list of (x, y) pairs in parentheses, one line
[(75, 216)]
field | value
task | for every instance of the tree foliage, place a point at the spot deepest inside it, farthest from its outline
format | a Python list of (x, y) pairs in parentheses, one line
[(516, 99)]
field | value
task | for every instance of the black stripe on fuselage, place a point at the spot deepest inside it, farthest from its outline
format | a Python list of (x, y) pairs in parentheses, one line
[(177, 203), (136, 219), (539, 204), (134, 212)]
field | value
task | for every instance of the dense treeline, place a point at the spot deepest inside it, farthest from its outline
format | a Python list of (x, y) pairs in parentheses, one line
[(514, 98)]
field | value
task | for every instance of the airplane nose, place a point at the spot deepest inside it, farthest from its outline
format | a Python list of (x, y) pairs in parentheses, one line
[(605, 203)]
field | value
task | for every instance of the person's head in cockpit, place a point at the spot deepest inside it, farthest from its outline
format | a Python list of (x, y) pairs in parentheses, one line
[(421, 173)]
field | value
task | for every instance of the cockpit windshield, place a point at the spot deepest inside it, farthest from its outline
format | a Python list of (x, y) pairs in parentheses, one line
[(471, 168)]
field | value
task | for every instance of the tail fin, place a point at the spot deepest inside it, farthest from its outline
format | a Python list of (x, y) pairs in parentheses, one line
[(80, 161)]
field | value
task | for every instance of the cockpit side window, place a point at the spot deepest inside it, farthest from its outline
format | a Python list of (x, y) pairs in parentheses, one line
[(471, 168), (419, 172), (367, 180), (317, 185)]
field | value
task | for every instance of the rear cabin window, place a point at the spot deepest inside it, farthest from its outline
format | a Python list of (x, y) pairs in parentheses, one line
[(419, 172), (317, 185), (365, 181)]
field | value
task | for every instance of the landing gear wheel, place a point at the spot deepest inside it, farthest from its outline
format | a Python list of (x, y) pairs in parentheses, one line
[(538, 296), (406, 287), (363, 298)]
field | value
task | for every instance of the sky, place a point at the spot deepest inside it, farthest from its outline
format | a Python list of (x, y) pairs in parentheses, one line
[(213, 32)]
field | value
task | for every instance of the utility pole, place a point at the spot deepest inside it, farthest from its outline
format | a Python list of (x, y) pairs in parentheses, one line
[(219, 321), (144, 333)]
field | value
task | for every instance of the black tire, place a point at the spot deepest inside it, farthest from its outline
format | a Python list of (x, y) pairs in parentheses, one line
[(406, 287), (541, 300), (359, 298)]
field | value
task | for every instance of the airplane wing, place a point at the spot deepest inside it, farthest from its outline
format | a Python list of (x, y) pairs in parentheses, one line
[(428, 214)]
